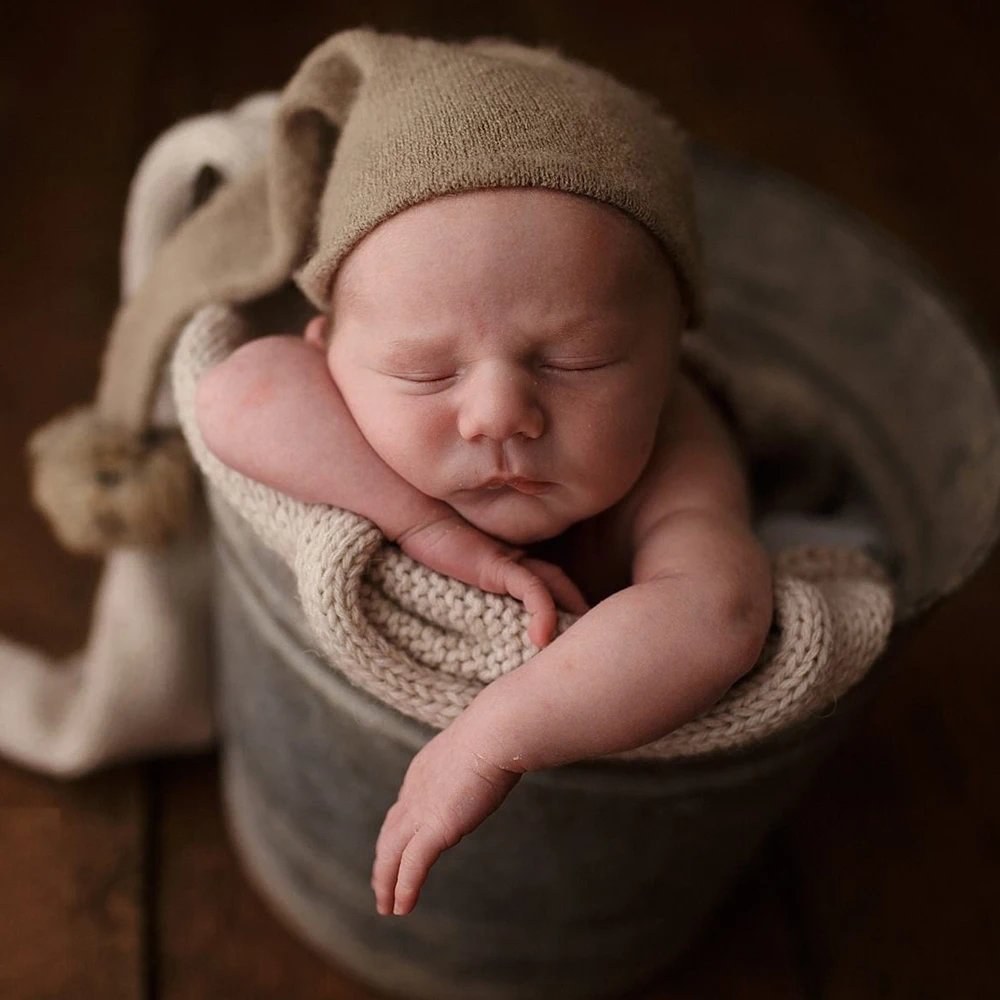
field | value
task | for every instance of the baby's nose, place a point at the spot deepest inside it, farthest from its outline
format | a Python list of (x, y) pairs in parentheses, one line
[(500, 404)]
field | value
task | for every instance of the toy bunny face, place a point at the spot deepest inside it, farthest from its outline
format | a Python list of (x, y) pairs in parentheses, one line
[(508, 351)]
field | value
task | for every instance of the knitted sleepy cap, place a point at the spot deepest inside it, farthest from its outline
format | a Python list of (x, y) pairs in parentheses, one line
[(372, 124), (420, 118)]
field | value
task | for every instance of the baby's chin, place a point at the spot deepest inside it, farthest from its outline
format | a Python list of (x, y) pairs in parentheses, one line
[(513, 518)]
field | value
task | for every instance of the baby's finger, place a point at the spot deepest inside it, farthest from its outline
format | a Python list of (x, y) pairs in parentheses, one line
[(420, 853), (392, 841), (566, 593), (541, 626), (523, 584)]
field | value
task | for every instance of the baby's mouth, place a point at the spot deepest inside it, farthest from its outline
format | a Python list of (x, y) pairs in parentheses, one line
[(533, 487)]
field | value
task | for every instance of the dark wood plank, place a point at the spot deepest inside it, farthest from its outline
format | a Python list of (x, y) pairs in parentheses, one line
[(72, 863), (217, 937), (72, 856)]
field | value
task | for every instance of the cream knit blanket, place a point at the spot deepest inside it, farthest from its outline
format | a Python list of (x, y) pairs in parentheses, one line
[(420, 642)]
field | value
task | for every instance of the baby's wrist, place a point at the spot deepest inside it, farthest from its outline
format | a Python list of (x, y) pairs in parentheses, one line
[(494, 726), (416, 514), (476, 730)]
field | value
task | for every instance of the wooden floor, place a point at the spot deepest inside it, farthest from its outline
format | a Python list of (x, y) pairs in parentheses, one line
[(884, 883)]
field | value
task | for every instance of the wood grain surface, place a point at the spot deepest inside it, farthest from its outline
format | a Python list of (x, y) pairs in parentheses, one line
[(883, 882)]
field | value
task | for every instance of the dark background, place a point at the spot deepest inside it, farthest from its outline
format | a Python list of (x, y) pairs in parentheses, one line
[(884, 882)]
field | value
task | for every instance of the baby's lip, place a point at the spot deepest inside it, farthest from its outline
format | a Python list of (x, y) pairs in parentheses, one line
[(534, 487)]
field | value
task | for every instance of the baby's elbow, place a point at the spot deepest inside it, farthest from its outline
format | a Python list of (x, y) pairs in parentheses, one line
[(745, 605), (230, 393), (226, 405)]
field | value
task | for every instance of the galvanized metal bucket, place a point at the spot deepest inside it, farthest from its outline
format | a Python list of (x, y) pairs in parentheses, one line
[(592, 878)]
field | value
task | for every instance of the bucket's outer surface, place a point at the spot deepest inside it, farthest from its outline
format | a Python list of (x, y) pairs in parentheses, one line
[(593, 877), (590, 879)]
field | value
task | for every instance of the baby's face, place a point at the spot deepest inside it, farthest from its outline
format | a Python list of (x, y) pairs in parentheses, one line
[(515, 334)]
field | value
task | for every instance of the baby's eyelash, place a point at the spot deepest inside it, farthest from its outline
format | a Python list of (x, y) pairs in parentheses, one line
[(576, 368), (424, 379), (545, 367)]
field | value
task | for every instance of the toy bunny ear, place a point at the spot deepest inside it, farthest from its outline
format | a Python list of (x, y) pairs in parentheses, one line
[(243, 243)]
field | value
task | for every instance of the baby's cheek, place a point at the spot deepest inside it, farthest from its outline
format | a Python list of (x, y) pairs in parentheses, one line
[(410, 437), (606, 461)]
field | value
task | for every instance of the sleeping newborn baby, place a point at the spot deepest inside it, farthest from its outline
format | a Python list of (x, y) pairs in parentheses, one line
[(496, 387), (502, 250)]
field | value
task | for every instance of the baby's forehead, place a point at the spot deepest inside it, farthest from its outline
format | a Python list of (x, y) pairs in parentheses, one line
[(524, 236)]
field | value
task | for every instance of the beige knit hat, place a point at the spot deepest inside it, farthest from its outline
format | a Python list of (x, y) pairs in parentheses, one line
[(369, 125)]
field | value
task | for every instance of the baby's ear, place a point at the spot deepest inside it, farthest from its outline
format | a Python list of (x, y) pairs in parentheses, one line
[(316, 331)]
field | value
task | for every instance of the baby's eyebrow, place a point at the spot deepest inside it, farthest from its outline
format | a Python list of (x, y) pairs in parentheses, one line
[(409, 352), (580, 334)]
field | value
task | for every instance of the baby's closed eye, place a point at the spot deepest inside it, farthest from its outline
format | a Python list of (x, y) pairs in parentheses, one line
[(577, 366), (555, 367)]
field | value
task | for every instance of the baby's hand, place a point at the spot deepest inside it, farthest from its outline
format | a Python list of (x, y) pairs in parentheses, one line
[(456, 548), (535, 583), (449, 789)]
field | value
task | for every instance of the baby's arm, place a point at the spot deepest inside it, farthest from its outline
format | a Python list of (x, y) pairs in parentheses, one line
[(636, 666), (272, 411)]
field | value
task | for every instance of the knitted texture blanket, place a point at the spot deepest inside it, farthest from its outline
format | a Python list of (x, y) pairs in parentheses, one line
[(422, 643)]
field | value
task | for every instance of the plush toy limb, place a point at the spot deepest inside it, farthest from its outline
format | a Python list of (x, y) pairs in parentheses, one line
[(141, 682), (111, 474)]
